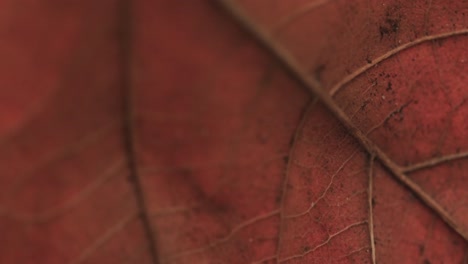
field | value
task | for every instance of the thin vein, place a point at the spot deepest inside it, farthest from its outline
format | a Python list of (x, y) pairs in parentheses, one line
[(387, 118), (60, 154), (322, 154), (324, 193), (297, 135), (349, 198), (99, 242), (314, 86), (67, 205), (391, 53), (434, 162), (354, 252), (227, 237), (371, 208), (330, 237)]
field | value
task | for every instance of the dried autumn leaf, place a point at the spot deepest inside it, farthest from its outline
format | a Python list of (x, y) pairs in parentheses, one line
[(276, 132)]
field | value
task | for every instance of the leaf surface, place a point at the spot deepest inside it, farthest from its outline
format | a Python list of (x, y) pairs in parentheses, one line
[(234, 132)]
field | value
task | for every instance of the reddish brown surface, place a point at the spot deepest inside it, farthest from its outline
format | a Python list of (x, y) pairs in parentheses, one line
[(233, 159)]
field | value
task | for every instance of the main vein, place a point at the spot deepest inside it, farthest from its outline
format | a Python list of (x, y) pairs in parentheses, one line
[(125, 52)]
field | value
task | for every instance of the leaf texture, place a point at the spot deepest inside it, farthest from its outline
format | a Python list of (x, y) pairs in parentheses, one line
[(234, 131)]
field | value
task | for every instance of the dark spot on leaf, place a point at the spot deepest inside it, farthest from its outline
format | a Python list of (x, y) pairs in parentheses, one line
[(391, 24), (394, 24), (426, 261), (389, 87), (286, 159), (421, 249), (364, 104)]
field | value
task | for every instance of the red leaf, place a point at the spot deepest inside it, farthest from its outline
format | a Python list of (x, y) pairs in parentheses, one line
[(234, 132)]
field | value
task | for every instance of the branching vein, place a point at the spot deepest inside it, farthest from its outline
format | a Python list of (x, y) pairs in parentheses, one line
[(314, 86)]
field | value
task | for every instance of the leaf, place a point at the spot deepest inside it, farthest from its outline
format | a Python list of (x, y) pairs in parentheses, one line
[(234, 132)]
